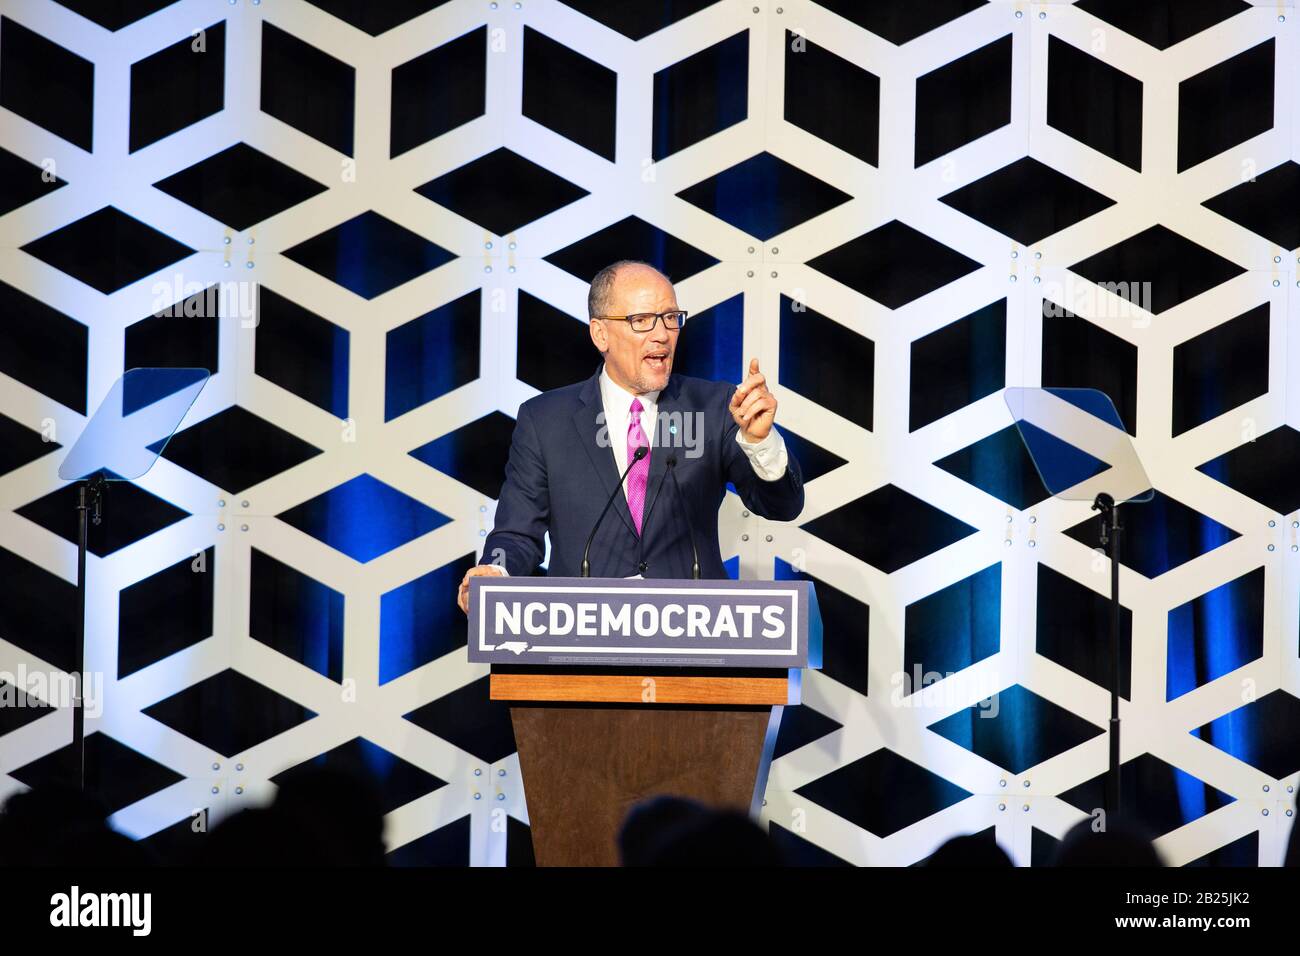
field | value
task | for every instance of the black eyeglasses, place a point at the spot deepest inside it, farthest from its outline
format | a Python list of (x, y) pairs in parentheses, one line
[(645, 321)]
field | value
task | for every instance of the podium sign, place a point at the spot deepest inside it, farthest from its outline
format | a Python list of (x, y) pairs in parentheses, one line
[(643, 622), (647, 686)]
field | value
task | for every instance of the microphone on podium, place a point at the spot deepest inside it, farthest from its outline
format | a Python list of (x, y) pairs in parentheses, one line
[(695, 553), (636, 456), (641, 566), (671, 466)]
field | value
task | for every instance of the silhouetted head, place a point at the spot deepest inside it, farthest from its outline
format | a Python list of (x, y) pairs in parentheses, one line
[(63, 826), (969, 850), (260, 837), (673, 831), (340, 809), (1119, 844)]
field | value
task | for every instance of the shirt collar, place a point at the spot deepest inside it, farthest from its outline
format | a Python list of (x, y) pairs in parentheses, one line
[(618, 398)]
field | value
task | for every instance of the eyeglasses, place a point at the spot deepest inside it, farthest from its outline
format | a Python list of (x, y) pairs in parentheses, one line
[(645, 321)]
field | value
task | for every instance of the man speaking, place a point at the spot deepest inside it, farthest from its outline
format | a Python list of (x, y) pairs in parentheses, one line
[(626, 471)]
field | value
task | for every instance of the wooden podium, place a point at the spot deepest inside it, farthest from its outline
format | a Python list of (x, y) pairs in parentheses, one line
[(591, 747), (596, 740)]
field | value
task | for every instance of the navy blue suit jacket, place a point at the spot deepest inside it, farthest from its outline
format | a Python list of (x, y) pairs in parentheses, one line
[(558, 479)]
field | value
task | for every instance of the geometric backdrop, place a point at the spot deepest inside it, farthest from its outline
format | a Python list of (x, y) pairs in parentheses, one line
[(375, 224)]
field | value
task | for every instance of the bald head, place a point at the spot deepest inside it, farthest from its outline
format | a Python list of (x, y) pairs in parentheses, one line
[(601, 295)]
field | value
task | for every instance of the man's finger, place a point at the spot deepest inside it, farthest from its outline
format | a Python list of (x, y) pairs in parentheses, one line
[(753, 365), (763, 406), (747, 407), (768, 407), (747, 386)]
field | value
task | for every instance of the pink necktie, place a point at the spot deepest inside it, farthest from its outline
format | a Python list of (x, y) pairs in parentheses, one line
[(638, 477)]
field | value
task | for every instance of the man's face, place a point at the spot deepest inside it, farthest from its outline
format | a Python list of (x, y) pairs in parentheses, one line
[(638, 361)]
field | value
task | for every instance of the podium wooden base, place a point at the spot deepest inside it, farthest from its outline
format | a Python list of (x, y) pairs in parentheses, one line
[(585, 765)]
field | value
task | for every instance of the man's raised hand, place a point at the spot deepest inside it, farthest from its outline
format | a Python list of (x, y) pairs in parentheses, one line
[(753, 407)]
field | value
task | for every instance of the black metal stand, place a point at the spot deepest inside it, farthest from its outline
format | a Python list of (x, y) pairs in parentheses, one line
[(90, 503), (1111, 530)]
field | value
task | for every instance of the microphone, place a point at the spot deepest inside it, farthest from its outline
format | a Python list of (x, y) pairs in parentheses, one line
[(695, 553), (645, 523), (636, 456)]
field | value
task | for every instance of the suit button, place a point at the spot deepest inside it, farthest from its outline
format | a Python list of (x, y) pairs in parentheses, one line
[(641, 567)]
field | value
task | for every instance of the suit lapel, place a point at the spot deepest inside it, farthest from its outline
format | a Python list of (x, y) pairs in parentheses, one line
[(587, 422)]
